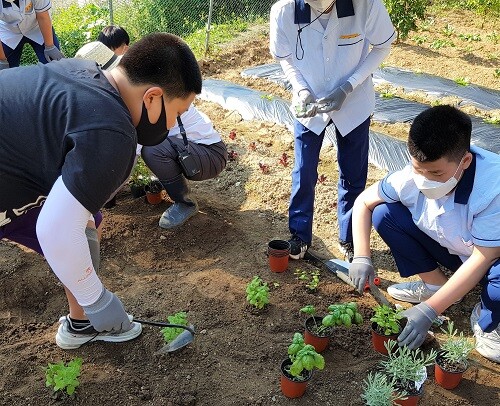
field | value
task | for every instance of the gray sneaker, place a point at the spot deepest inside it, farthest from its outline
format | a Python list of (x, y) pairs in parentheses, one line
[(487, 344), (177, 214), (411, 292), (72, 334)]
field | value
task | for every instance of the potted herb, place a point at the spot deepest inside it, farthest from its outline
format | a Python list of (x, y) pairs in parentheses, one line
[(408, 370), (154, 191), (257, 293), (451, 361), (139, 178), (319, 329), (379, 390), (296, 370), (63, 378), (386, 325)]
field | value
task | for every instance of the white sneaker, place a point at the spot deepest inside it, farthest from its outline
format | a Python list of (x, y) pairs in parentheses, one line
[(411, 292), (487, 344), (73, 335)]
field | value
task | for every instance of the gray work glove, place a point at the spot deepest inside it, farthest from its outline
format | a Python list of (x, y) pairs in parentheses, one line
[(108, 314), (52, 53), (420, 318), (360, 271), (335, 100), (303, 104), (4, 64)]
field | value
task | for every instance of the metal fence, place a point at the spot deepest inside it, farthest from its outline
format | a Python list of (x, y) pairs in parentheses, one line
[(79, 21)]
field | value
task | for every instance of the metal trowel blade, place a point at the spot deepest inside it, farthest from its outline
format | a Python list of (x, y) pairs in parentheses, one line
[(183, 339)]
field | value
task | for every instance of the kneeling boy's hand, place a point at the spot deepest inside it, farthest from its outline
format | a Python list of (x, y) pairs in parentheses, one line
[(420, 318)]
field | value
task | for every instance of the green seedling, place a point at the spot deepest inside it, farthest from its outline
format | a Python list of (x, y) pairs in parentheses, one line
[(310, 279), (441, 43), (267, 97), (448, 30), (171, 333), (63, 377), (379, 390), (303, 357), (470, 37), (345, 314), (462, 81), (257, 293), (496, 73), (456, 347), (387, 319), (494, 119)]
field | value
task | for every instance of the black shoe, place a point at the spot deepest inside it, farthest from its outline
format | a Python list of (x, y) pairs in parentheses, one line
[(298, 248), (346, 248)]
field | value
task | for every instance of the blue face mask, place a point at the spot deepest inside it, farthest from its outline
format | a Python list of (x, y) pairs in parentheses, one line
[(152, 134)]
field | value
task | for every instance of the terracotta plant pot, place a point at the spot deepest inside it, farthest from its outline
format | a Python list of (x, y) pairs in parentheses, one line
[(378, 339), (411, 400), (447, 379), (289, 386), (154, 192), (278, 252), (154, 198), (318, 342)]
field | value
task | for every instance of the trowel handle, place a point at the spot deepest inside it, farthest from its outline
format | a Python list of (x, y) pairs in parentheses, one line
[(161, 324)]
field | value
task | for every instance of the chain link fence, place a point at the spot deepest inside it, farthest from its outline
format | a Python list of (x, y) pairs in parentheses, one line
[(77, 22)]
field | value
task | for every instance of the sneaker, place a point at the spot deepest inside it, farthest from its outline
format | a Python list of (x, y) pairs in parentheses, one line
[(487, 344), (298, 248), (177, 214), (73, 334), (412, 292), (347, 249)]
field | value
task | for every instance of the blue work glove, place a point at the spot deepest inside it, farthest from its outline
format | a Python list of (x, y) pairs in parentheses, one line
[(360, 271), (335, 100), (52, 53), (303, 104), (420, 318), (108, 314), (4, 64)]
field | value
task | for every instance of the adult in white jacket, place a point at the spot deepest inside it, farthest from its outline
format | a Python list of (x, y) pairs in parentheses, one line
[(328, 50)]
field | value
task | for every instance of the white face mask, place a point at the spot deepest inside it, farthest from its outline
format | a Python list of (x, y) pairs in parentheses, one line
[(320, 5), (433, 189)]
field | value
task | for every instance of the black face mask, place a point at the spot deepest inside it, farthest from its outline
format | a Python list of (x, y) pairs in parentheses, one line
[(152, 134)]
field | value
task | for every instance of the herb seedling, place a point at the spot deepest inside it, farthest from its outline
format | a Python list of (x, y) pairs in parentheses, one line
[(406, 366), (456, 347), (232, 155), (462, 81), (343, 314), (257, 293), (232, 134), (264, 168), (379, 390), (63, 377), (171, 333), (303, 356), (284, 159), (387, 319), (310, 279)]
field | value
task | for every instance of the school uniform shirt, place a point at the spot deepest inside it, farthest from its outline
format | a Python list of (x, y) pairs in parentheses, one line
[(468, 216), (64, 119), (331, 56), (18, 21)]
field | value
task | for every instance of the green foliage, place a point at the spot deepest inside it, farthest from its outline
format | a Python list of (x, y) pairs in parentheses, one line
[(456, 347), (494, 119), (345, 314), (405, 365), (462, 81), (387, 319), (310, 279), (379, 390), (63, 377), (75, 26), (171, 333), (441, 43), (482, 7), (404, 15), (303, 356), (470, 37), (141, 175), (257, 293)]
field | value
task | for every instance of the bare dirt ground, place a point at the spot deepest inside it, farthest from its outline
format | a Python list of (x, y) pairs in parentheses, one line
[(204, 267)]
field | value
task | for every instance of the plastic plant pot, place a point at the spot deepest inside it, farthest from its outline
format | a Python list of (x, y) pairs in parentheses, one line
[(318, 342), (278, 252), (378, 340), (444, 378), (290, 387)]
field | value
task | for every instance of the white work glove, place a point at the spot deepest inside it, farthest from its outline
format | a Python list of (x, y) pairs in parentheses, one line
[(420, 318), (108, 314), (335, 100), (4, 64), (52, 53), (360, 271), (303, 104)]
